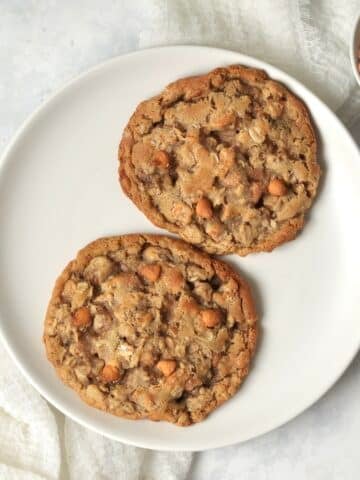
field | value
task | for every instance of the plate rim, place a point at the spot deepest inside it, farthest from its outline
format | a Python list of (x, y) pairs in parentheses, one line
[(5, 158)]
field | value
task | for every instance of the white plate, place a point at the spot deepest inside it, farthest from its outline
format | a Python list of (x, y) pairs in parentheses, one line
[(59, 190)]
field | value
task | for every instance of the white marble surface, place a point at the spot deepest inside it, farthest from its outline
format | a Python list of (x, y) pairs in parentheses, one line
[(45, 43)]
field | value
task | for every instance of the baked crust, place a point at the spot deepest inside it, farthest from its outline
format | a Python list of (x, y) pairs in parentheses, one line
[(146, 326), (226, 160)]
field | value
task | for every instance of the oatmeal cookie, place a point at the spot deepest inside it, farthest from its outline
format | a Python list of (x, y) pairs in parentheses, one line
[(226, 160), (145, 326)]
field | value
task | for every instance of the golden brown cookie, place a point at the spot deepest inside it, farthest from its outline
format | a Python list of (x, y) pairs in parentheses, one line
[(226, 160), (145, 326)]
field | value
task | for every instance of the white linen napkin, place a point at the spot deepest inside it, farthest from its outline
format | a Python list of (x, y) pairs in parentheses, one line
[(309, 40)]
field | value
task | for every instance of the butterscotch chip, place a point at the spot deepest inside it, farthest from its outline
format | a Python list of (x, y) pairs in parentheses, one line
[(230, 142), (277, 187), (204, 208), (167, 367), (110, 373), (150, 272), (167, 327), (161, 159), (82, 317), (211, 318)]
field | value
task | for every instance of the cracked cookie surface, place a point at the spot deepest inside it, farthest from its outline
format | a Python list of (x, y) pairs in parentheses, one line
[(226, 160), (146, 326)]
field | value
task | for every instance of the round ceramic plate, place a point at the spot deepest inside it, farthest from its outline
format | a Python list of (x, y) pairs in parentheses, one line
[(59, 190)]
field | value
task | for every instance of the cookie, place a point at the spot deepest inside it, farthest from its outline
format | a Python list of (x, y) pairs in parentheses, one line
[(226, 160), (145, 326)]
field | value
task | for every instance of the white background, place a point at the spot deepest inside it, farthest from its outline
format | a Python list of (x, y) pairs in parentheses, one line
[(42, 45)]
